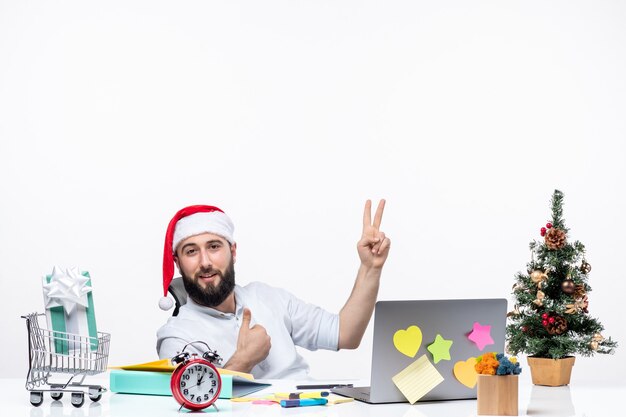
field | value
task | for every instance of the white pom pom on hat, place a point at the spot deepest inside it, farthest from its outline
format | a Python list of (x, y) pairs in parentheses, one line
[(187, 222), (165, 303)]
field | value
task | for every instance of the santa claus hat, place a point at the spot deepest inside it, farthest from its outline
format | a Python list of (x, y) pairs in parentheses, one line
[(191, 221)]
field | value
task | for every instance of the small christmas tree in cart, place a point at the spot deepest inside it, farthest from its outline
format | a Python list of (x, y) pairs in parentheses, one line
[(551, 320)]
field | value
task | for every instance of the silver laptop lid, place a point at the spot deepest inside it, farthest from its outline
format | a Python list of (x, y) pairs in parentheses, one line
[(452, 319)]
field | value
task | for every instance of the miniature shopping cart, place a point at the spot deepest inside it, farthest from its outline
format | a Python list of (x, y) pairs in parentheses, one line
[(52, 352)]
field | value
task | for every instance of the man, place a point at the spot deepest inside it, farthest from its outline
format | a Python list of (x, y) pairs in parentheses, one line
[(255, 328)]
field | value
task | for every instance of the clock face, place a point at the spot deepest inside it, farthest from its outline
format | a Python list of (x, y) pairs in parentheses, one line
[(199, 384)]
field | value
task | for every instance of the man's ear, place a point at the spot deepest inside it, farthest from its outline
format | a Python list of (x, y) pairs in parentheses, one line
[(176, 262), (233, 251)]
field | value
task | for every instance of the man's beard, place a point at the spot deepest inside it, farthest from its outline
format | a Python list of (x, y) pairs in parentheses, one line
[(211, 295)]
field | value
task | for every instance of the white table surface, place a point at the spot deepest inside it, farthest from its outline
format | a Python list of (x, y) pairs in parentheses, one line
[(576, 400)]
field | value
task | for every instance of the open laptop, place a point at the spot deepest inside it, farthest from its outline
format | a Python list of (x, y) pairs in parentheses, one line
[(453, 320)]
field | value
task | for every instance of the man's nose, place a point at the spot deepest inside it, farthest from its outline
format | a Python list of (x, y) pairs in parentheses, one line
[(205, 259)]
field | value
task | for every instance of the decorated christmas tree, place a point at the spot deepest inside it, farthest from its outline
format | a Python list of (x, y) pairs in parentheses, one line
[(551, 316)]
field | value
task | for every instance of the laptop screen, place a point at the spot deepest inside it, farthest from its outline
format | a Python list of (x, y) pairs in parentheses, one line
[(445, 334)]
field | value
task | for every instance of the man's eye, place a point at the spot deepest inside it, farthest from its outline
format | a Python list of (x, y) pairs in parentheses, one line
[(214, 246), (190, 252)]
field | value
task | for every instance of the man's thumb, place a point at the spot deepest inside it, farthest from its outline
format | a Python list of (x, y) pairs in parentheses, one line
[(245, 318)]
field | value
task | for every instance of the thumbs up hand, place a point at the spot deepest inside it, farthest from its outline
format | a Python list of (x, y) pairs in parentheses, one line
[(253, 345)]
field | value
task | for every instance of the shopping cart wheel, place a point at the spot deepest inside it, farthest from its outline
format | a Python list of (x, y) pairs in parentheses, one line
[(95, 393), (36, 398), (56, 395), (78, 398)]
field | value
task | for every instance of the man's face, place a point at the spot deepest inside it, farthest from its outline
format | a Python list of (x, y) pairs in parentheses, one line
[(206, 263)]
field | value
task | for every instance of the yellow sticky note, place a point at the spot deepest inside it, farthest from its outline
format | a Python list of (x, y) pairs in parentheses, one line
[(338, 399), (408, 341), (417, 379)]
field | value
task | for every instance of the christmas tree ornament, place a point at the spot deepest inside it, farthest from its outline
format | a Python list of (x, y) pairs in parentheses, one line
[(543, 231), (515, 312), (585, 267), (596, 340), (585, 304), (539, 300), (539, 277), (555, 239), (544, 316), (577, 306), (556, 326), (549, 225), (579, 292), (568, 286)]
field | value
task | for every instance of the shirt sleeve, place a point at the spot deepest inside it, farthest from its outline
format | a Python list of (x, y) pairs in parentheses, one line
[(172, 338), (170, 347), (310, 326)]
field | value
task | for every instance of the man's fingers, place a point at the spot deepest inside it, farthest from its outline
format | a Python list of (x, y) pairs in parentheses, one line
[(368, 241), (380, 238), (367, 214), (385, 245), (245, 318), (378, 217)]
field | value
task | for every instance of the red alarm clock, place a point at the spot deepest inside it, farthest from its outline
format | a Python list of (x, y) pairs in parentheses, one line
[(195, 383)]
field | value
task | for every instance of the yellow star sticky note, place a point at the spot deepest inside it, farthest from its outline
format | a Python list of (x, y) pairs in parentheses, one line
[(417, 379), (440, 349)]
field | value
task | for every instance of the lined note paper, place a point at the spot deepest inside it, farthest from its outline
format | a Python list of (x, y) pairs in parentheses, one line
[(417, 379)]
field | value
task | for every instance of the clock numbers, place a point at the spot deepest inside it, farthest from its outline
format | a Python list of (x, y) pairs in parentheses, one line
[(202, 387)]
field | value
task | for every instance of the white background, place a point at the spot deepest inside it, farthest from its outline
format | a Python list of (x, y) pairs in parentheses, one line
[(464, 115)]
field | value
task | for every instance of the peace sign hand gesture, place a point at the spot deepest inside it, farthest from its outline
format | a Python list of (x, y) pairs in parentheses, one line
[(373, 247)]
